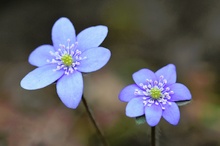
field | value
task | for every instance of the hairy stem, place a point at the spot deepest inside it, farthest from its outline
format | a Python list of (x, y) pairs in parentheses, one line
[(99, 133), (153, 136)]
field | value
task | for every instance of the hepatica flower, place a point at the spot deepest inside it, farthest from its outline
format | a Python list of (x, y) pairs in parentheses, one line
[(154, 95), (66, 60)]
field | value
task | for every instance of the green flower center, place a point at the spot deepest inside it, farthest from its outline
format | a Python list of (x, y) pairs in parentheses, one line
[(155, 93), (67, 59)]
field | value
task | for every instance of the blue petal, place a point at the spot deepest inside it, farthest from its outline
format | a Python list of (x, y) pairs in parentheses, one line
[(153, 114), (127, 93), (63, 30), (70, 89), (135, 107), (142, 75), (40, 55), (169, 73), (41, 77), (95, 59), (91, 37), (171, 113), (181, 92)]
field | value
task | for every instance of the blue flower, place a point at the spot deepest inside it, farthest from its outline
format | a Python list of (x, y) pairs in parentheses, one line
[(66, 60), (154, 95)]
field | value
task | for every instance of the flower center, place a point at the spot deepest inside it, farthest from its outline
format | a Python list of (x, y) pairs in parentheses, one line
[(67, 59), (155, 93)]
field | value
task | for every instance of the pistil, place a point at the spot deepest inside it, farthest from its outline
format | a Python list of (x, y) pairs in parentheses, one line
[(155, 93), (67, 60)]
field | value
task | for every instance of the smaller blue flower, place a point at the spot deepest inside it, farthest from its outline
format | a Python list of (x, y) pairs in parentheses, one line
[(66, 60), (154, 95)]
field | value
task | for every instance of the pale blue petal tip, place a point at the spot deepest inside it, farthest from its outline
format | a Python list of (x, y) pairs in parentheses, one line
[(70, 89), (40, 77)]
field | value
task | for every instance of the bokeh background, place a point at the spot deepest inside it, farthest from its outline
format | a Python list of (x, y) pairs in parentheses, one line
[(142, 34)]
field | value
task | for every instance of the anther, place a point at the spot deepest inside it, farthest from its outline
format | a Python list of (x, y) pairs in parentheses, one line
[(171, 92)]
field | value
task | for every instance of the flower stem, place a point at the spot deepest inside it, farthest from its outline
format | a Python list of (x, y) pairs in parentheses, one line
[(153, 136), (100, 135)]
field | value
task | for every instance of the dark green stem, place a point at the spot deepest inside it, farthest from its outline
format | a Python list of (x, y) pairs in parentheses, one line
[(99, 133), (153, 136)]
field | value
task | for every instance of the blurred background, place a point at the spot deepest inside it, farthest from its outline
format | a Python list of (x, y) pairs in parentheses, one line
[(142, 34)]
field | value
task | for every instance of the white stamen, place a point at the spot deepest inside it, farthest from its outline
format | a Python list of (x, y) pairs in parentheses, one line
[(164, 81), (158, 84), (69, 50), (171, 92)]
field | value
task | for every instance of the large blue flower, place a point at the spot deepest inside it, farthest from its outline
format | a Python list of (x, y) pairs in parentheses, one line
[(66, 60), (154, 95)]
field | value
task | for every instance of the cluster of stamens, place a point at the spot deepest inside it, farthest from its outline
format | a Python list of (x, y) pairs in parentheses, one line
[(155, 92), (67, 57)]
